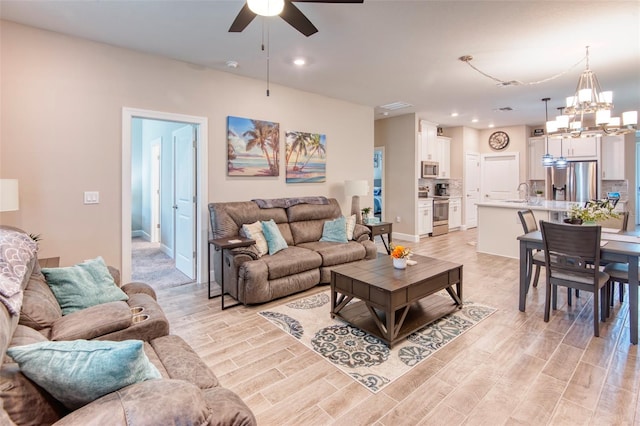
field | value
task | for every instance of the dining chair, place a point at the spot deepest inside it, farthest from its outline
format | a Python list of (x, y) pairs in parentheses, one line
[(618, 271), (534, 258), (568, 251)]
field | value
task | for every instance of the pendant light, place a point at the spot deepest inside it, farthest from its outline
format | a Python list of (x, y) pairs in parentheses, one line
[(561, 162), (547, 159)]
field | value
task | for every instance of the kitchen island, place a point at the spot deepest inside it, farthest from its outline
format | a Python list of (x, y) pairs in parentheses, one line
[(499, 224)]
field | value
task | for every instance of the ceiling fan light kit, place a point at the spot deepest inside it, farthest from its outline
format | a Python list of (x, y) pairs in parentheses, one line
[(266, 7), (285, 8)]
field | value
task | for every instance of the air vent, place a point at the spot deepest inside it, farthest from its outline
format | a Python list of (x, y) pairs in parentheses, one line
[(503, 109), (395, 105)]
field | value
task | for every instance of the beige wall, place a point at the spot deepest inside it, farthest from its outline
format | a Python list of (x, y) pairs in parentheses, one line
[(61, 132), (518, 137), (399, 137)]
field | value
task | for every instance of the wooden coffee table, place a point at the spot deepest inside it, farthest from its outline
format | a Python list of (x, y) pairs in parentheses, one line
[(393, 303)]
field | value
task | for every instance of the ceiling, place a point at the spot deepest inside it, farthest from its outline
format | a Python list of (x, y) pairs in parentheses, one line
[(385, 51)]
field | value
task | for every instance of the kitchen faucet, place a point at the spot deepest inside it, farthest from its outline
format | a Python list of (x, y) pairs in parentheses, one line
[(526, 194)]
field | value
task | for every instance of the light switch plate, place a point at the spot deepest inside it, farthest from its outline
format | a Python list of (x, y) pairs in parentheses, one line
[(91, 197)]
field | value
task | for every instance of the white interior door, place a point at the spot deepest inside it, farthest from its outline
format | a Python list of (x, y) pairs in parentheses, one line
[(155, 190), (184, 157), (500, 174), (471, 188)]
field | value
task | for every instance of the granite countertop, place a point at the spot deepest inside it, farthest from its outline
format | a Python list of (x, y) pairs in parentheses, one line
[(547, 205)]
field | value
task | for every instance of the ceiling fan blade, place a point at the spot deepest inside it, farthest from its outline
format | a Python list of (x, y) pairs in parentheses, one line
[(244, 18), (297, 20)]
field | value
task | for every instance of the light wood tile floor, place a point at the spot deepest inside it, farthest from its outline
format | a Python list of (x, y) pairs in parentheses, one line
[(512, 368)]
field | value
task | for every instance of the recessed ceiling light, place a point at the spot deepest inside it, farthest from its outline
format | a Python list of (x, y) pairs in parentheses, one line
[(299, 61), (454, 114), (232, 64), (491, 126), (475, 120)]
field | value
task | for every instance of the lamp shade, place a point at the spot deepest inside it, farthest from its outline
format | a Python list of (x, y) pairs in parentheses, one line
[(356, 187), (9, 195)]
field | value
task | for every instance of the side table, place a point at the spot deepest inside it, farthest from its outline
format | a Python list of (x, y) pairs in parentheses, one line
[(382, 228), (49, 262), (222, 244)]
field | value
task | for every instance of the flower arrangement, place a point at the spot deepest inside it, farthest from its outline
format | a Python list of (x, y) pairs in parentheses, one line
[(593, 211), (400, 252)]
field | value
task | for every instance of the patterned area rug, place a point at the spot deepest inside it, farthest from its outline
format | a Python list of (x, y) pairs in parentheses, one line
[(365, 358)]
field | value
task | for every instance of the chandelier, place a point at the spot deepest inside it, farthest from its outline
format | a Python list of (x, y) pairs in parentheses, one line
[(588, 111)]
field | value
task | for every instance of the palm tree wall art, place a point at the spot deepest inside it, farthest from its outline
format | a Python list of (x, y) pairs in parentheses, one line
[(253, 147), (306, 157)]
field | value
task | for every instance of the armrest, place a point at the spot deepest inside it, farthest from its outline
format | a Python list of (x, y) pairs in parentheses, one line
[(139, 288), (251, 251), (153, 402), (359, 232), (92, 322)]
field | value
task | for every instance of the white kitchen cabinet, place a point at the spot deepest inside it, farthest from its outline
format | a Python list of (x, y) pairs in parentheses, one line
[(425, 217), (455, 213), (443, 158), (537, 148), (435, 148), (428, 145), (574, 148), (613, 157)]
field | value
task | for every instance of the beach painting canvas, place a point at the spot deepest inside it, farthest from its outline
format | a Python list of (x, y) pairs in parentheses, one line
[(253, 147), (306, 160)]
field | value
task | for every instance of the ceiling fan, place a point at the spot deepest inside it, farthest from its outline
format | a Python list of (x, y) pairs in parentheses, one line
[(289, 13)]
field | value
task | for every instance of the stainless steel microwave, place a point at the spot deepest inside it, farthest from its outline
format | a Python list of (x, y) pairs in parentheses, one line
[(430, 169)]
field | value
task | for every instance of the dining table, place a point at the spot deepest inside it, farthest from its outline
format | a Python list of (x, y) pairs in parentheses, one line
[(621, 247)]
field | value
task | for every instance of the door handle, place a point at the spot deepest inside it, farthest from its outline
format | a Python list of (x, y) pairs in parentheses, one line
[(175, 206)]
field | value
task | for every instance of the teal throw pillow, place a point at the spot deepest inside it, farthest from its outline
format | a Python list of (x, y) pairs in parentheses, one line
[(274, 238), (83, 285), (77, 372), (335, 230)]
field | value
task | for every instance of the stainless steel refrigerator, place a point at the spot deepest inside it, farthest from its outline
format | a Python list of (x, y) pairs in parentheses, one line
[(578, 182)]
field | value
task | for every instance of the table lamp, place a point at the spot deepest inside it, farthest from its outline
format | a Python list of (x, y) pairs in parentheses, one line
[(356, 188), (9, 195)]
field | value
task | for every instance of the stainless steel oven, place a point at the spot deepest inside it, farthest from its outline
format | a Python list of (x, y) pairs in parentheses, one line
[(440, 216)]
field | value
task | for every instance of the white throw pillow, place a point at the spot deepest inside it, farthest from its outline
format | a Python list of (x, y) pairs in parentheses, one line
[(351, 225), (254, 231)]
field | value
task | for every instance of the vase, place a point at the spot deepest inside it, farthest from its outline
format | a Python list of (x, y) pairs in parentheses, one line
[(400, 263)]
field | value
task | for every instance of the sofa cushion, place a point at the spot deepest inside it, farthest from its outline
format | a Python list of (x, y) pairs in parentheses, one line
[(307, 230), (351, 226), (335, 230), (85, 284), (275, 240), (290, 261), (80, 371), (254, 231), (92, 322), (337, 253), (40, 309), (25, 402), (150, 403)]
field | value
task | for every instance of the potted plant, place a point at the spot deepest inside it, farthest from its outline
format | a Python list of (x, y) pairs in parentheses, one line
[(365, 214), (400, 255), (539, 194), (592, 212)]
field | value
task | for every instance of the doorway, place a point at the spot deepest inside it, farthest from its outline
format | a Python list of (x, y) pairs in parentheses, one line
[(183, 181), (378, 183)]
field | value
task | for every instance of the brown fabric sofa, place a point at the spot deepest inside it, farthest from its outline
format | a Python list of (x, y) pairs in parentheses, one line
[(187, 393), (305, 263)]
